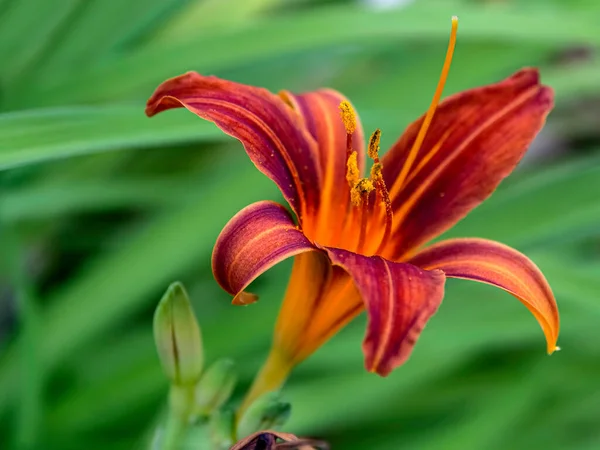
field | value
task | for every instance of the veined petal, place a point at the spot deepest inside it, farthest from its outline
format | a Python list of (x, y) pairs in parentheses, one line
[(477, 137), (271, 132), (399, 298), (254, 240), (320, 111), (499, 265), (320, 299)]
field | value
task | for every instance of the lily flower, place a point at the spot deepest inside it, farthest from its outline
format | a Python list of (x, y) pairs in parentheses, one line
[(359, 240)]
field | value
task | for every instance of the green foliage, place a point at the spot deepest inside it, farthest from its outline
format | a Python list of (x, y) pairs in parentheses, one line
[(102, 208)]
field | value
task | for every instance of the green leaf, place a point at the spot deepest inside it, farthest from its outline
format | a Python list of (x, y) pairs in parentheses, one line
[(42, 135)]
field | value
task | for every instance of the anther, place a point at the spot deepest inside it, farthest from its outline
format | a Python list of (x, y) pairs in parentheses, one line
[(349, 121), (374, 145), (352, 172), (348, 116), (361, 190)]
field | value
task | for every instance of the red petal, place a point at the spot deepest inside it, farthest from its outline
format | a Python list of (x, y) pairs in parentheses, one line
[(271, 132), (320, 111), (499, 265), (400, 298), (254, 240), (476, 139)]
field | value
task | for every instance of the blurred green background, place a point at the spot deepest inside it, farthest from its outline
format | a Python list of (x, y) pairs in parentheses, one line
[(101, 208)]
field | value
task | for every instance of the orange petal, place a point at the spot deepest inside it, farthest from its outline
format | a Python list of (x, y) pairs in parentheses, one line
[(319, 301), (399, 298), (272, 134), (320, 111), (477, 137), (499, 265), (255, 239)]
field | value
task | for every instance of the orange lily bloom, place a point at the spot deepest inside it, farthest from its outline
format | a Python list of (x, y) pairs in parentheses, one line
[(358, 240)]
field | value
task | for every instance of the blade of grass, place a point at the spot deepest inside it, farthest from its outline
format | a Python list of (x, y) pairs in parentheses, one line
[(35, 136), (316, 29)]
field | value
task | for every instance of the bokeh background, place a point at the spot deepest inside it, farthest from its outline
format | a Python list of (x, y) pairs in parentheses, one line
[(101, 208)]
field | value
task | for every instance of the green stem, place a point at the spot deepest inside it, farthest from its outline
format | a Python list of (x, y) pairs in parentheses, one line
[(271, 377), (181, 403), (32, 377)]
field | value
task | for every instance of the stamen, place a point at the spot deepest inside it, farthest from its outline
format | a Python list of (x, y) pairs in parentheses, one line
[(377, 177), (364, 215), (382, 192), (349, 120), (348, 116), (359, 194), (429, 116), (352, 172), (374, 145)]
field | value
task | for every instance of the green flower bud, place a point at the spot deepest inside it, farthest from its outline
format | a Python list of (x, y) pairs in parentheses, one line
[(215, 386), (177, 336), (267, 412)]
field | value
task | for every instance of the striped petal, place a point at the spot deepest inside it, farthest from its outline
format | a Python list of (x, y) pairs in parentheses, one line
[(320, 111), (399, 298), (255, 239), (476, 139), (499, 265), (319, 301), (271, 132)]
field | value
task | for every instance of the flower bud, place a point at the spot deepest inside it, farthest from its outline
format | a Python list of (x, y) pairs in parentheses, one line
[(215, 386), (267, 412), (177, 337)]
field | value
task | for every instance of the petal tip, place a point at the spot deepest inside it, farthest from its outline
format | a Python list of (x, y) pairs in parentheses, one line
[(381, 370), (244, 298), (553, 349)]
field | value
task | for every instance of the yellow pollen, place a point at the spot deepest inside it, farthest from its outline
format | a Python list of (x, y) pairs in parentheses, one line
[(361, 190), (374, 144), (376, 174), (348, 116), (352, 172)]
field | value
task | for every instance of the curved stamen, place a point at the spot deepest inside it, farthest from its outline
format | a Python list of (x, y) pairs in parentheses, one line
[(360, 197), (349, 119), (382, 192)]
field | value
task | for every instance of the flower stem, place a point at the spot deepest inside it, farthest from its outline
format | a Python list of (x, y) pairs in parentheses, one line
[(271, 377), (181, 402)]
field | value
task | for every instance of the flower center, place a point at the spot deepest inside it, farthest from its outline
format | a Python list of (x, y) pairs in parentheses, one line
[(361, 188)]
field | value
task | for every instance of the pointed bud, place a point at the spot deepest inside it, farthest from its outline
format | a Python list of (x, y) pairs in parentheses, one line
[(268, 411), (215, 386), (177, 336)]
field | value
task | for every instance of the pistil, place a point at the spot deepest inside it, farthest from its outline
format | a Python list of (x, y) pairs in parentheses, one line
[(412, 155)]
